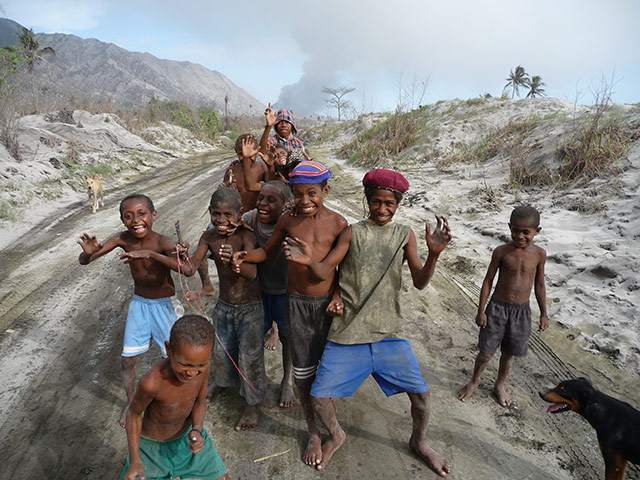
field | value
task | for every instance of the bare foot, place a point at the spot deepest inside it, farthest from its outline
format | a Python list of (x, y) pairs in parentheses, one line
[(504, 399), (208, 290), (213, 391), (287, 397), (313, 454), (123, 417), (434, 461), (330, 447), (465, 392), (249, 418), (272, 342)]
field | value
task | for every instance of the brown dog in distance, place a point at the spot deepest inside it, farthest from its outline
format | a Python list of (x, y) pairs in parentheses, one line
[(94, 187)]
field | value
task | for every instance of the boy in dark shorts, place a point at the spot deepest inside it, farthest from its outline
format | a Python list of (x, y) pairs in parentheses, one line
[(238, 315), (165, 419), (309, 289), (364, 336), (154, 307), (507, 319)]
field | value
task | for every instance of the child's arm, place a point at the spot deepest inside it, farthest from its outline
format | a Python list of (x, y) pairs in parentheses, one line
[(198, 257), (245, 269), (336, 305), (270, 120), (146, 392), (299, 251), (196, 441), (259, 255), (92, 249), (541, 292), (168, 257), (436, 242), (485, 290), (251, 171)]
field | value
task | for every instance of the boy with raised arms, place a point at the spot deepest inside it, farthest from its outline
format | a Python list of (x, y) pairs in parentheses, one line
[(308, 295)]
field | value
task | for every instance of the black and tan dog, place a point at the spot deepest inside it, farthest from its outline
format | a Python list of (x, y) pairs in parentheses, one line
[(617, 423)]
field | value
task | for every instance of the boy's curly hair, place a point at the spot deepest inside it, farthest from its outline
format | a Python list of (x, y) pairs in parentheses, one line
[(135, 196), (525, 213), (238, 146), (226, 195), (192, 329), (283, 189)]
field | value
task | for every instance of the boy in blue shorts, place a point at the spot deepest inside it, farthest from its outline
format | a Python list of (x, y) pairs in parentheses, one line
[(165, 420), (364, 336), (154, 307)]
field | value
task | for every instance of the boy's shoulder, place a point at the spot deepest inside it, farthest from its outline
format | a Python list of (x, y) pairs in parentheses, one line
[(333, 216)]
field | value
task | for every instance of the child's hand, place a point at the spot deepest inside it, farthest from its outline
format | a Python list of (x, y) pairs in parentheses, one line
[(226, 252), (544, 323), (249, 147), (236, 260), (136, 470), (290, 207), (89, 243), (335, 308), (297, 251), (481, 319), (196, 442), (269, 157), (269, 116), (440, 238), (135, 255), (182, 249)]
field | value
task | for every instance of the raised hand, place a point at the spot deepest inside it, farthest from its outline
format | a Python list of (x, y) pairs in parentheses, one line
[(269, 157), (439, 239), (89, 243), (269, 116), (236, 260), (297, 251), (249, 147), (226, 252), (335, 308)]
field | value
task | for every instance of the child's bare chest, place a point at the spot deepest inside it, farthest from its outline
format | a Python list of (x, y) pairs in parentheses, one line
[(519, 263), (319, 235)]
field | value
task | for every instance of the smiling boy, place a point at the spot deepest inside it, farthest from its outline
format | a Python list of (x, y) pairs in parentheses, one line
[(308, 294), (154, 308), (165, 420), (507, 319), (365, 334)]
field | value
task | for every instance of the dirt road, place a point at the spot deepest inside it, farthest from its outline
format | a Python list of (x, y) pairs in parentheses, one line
[(61, 395)]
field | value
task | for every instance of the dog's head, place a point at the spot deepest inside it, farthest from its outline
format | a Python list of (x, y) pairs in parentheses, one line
[(573, 395), (92, 182)]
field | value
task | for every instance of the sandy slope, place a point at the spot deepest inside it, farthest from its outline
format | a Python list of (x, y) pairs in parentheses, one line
[(62, 327)]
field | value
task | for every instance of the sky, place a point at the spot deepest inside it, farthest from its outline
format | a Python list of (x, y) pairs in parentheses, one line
[(286, 52)]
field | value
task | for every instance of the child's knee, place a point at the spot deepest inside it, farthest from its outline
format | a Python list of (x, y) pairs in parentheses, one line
[(484, 356), (129, 363)]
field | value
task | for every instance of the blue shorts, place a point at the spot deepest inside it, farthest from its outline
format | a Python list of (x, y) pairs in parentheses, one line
[(391, 361), (273, 306), (149, 318)]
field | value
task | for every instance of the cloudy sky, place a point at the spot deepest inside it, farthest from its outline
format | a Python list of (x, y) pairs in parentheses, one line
[(285, 52)]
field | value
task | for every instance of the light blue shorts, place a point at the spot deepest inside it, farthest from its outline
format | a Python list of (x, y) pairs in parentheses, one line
[(149, 318), (391, 361)]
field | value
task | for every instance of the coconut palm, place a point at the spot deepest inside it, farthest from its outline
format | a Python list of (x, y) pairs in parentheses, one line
[(535, 87), (517, 79), (31, 48)]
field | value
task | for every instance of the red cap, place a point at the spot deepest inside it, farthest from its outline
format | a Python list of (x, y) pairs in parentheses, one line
[(387, 179)]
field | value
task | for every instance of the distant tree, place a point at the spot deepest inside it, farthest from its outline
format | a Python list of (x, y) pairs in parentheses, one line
[(336, 100), (535, 87), (516, 79), (30, 46)]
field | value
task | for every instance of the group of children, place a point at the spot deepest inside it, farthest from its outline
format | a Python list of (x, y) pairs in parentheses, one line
[(289, 264)]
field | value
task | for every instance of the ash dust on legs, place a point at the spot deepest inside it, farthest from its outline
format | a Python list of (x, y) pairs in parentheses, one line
[(129, 380)]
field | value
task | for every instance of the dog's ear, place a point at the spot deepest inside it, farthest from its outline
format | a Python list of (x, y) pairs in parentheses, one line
[(99, 178)]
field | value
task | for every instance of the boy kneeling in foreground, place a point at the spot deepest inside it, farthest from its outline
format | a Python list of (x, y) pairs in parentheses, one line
[(169, 440), (363, 339)]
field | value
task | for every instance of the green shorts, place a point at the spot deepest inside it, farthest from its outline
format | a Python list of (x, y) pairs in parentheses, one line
[(167, 459)]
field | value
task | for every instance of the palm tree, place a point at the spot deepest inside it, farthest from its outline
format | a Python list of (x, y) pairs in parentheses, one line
[(535, 87), (517, 79), (31, 48)]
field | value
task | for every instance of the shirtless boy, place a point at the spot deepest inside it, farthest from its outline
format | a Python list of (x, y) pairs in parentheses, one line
[(154, 307), (238, 315), (165, 419), (507, 319), (365, 334), (247, 171), (308, 295)]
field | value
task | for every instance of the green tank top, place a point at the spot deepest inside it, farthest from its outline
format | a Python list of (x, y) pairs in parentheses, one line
[(370, 284)]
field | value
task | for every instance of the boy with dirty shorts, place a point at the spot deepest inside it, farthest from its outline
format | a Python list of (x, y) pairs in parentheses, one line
[(506, 322), (365, 334), (309, 291), (154, 307), (165, 420), (238, 314)]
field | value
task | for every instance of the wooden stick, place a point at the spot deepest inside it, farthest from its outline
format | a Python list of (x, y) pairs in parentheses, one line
[(270, 456)]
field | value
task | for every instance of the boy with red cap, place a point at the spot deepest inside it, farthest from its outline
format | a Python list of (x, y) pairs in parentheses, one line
[(364, 336), (308, 295)]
